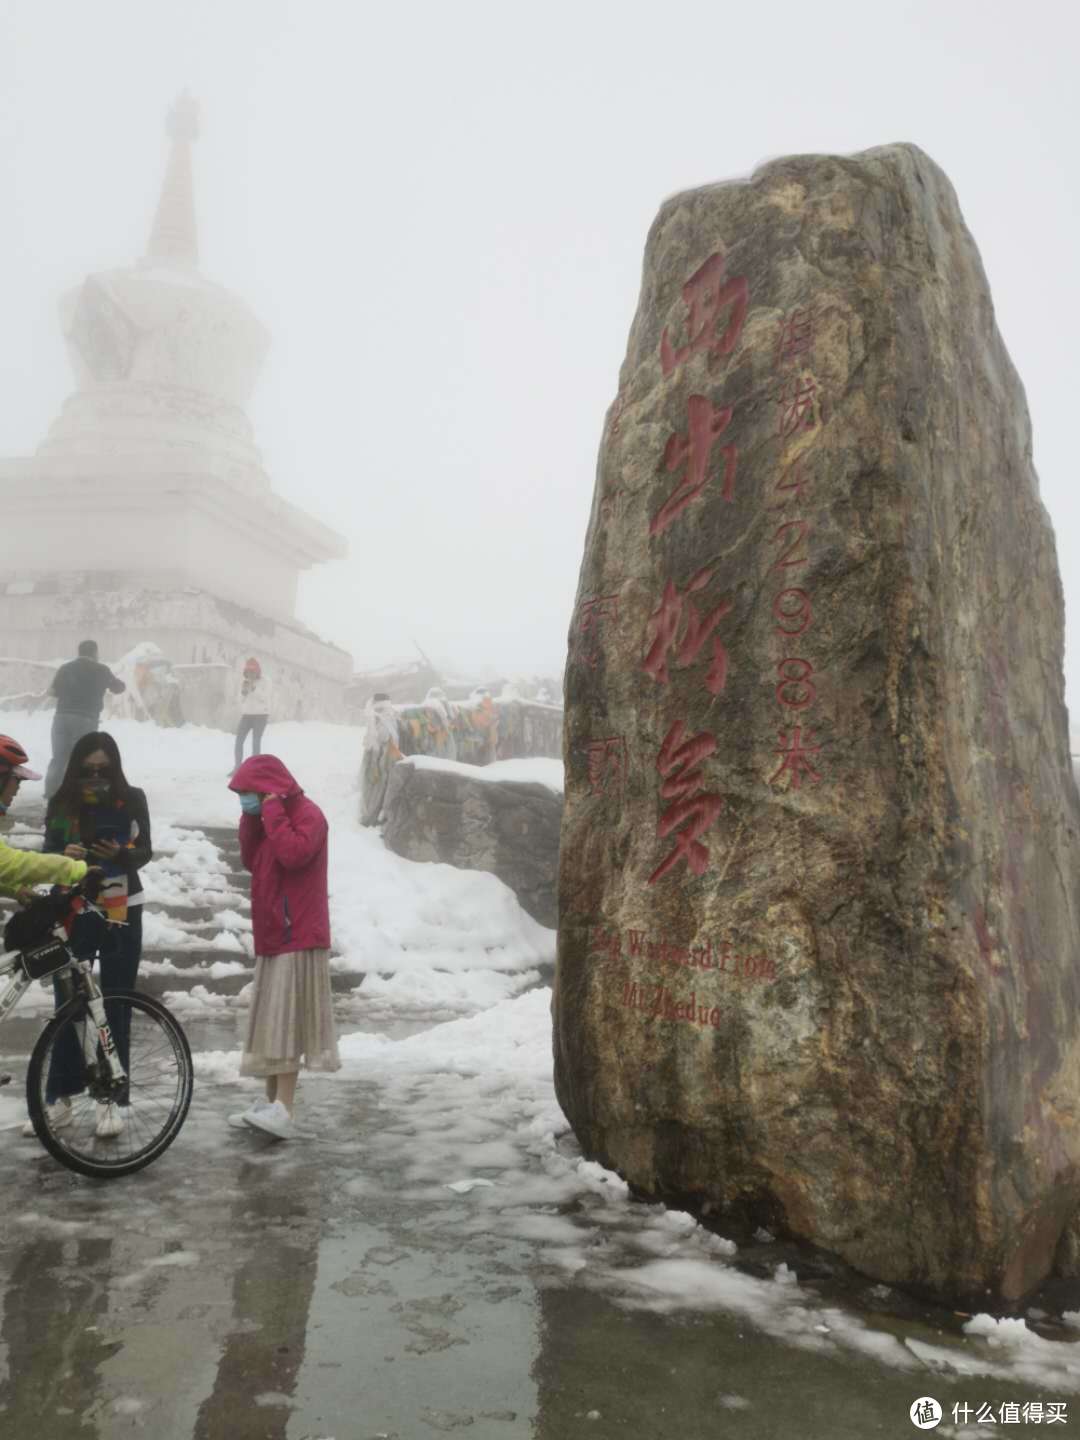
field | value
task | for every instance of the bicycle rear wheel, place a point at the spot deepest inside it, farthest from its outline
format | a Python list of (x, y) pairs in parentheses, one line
[(153, 1101)]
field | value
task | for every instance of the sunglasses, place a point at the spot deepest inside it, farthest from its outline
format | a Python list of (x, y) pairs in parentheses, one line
[(91, 772)]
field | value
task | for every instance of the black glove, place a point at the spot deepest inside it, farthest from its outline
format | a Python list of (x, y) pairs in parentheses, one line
[(93, 882)]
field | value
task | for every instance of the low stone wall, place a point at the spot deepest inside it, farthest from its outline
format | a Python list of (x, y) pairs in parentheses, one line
[(509, 828)]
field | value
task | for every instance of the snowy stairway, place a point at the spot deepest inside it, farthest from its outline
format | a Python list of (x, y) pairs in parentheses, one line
[(197, 925), (197, 916)]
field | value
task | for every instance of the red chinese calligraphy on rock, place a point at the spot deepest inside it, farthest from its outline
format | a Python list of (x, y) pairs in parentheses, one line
[(792, 483), (796, 690), (663, 630), (679, 763), (796, 337), (796, 762), (791, 555), (707, 294), (593, 614), (793, 619), (706, 423), (606, 760), (798, 406)]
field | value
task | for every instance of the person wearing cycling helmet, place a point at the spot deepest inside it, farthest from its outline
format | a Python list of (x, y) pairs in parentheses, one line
[(20, 868)]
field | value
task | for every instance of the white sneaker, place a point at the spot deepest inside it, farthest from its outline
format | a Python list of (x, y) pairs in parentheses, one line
[(238, 1120), (59, 1114), (110, 1122), (272, 1119)]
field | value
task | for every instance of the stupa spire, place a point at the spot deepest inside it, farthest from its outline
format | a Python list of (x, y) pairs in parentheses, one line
[(173, 236)]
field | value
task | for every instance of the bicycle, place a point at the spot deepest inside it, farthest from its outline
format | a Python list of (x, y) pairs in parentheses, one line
[(153, 1093)]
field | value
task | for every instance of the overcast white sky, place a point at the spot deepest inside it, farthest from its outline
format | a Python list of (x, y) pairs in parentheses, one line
[(439, 210)]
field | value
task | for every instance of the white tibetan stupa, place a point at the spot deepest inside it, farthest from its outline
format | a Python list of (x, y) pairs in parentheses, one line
[(146, 514)]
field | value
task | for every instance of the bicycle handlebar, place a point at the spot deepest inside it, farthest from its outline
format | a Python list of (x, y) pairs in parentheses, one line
[(33, 924)]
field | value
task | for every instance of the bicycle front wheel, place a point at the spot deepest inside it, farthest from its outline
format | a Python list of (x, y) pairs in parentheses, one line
[(148, 1112)]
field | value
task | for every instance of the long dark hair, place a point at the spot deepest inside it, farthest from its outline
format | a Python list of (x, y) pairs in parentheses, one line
[(68, 798)]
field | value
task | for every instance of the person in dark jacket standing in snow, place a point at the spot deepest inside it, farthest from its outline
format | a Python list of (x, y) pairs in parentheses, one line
[(283, 842), (79, 687)]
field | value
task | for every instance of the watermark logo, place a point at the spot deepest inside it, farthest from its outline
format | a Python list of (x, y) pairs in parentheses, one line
[(925, 1413)]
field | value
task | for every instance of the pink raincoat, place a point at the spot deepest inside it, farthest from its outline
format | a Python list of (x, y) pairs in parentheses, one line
[(285, 849)]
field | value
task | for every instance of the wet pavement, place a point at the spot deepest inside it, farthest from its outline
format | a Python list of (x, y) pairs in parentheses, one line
[(243, 1287)]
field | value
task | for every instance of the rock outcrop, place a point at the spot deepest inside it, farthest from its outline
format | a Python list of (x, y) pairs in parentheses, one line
[(507, 827), (819, 894)]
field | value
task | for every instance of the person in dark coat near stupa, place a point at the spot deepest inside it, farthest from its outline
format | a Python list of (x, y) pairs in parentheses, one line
[(79, 686)]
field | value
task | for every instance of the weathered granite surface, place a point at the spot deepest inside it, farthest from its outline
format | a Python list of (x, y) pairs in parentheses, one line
[(818, 959), (507, 827)]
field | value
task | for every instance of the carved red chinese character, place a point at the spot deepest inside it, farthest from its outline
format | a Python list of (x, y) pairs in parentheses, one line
[(678, 762), (706, 423), (796, 762), (707, 293), (663, 629), (796, 336), (606, 760), (592, 615), (797, 406)]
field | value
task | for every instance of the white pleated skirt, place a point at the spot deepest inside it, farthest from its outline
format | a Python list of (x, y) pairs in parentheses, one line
[(291, 1020)]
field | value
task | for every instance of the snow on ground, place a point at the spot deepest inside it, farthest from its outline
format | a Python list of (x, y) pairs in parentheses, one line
[(185, 772), (536, 771)]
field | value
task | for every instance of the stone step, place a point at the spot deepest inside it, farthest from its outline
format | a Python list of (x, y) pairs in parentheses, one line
[(190, 959), (213, 880), (186, 977), (195, 917)]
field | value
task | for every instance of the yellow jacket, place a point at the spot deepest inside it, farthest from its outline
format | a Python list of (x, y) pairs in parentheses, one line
[(29, 867)]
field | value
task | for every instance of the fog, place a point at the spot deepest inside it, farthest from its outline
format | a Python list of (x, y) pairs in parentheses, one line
[(439, 211)]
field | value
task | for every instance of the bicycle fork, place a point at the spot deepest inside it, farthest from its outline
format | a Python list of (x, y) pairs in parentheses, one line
[(95, 1003)]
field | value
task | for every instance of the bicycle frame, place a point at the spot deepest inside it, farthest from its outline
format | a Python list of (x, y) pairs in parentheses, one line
[(88, 993)]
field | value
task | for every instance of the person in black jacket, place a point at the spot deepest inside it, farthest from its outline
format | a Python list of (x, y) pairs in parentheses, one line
[(98, 817), (79, 687)]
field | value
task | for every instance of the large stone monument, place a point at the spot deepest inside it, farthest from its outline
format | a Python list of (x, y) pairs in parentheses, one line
[(818, 961), (146, 514)]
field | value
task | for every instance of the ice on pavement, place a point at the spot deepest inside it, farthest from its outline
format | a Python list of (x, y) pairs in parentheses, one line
[(468, 1105)]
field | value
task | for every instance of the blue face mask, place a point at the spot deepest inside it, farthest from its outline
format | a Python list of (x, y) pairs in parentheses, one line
[(250, 802)]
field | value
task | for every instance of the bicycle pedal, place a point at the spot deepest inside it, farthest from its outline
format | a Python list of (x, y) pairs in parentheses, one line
[(5, 1078)]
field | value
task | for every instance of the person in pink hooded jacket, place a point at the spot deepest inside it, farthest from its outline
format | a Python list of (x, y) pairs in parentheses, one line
[(283, 842)]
